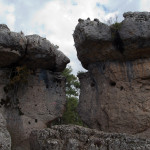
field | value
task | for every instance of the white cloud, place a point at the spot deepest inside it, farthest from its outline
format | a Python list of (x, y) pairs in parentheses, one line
[(145, 5), (10, 19), (7, 14)]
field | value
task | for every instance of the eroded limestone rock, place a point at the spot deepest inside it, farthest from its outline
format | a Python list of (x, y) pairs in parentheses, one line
[(12, 46), (32, 50), (127, 40), (115, 90), (67, 137), (90, 34), (41, 53)]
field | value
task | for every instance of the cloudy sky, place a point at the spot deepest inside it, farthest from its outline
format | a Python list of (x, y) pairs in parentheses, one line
[(56, 19)]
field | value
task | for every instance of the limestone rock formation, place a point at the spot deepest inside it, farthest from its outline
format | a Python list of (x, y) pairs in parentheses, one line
[(32, 89), (32, 50), (40, 53), (12, 46), (5, 139), (67, 137), (115, 92), (127, 40)]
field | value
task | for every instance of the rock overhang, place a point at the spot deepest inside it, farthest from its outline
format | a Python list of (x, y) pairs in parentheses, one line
[(128, 40), (33, 51)]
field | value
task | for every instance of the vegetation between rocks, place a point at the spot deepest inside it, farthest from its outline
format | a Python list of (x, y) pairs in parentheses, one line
[(70, 115)]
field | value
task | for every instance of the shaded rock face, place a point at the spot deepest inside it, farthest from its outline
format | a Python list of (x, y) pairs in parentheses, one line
[(32, 90), (115, 90), (67, 137), (5, 139), (40, 101)]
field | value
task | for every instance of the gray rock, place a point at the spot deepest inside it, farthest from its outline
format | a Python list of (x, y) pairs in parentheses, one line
[(91, 38), (12, 46), (70, 137), (33, 51), (42, 54), (5, 139), (128, 40), (135, 34)]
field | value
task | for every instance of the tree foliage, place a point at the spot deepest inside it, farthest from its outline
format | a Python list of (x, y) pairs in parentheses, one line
[(70, 115)]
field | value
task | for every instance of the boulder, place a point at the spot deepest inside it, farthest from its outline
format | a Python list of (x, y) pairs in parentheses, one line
[(12, 46), (41, 53), (92, 39), (5, 139), (115, 91), (134, 32), (33, 51), (69, 137), (128, 40)]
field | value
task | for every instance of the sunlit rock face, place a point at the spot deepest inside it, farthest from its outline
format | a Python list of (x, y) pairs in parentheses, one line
[(115, 92), (69, 137), (32, 89)]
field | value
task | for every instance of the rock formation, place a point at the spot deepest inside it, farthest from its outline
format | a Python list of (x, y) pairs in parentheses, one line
[(31, 85), (115, 92), (67, 137)]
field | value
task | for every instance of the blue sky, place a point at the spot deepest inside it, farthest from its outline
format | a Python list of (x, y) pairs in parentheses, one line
[(56, 19)]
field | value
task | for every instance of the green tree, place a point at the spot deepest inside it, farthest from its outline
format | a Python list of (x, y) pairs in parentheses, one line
[(70, 115)]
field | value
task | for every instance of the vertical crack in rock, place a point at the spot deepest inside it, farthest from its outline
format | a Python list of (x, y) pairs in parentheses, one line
[(118, 43)]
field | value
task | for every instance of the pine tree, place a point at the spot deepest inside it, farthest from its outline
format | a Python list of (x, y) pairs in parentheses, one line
[(70, 115)]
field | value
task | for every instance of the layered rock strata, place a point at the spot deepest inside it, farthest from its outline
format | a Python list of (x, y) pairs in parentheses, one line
[(115, 92), (67, 137), (31, 85)]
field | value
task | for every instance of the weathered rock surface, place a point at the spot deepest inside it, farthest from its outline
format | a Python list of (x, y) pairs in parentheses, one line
[(12, 46), (32, 51), (91, 38), (39, 102), (67, 137), (5, 139), (115, 94), (96, 41), (42, 54)]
